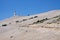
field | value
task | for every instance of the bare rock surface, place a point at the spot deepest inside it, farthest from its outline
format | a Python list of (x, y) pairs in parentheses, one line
[(44, 26)]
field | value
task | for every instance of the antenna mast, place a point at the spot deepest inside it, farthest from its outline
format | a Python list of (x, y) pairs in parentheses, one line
[(14, 13)]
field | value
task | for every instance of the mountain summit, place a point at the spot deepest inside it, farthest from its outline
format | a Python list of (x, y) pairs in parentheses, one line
[(43, 26)]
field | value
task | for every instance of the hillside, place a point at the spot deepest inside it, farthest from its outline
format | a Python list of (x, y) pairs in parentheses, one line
[(43, 26)]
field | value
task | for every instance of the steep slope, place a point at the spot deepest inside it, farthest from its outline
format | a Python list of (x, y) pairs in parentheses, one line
[(32, 18), (44, 26)]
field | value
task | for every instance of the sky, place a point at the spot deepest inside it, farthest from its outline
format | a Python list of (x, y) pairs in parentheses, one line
[(25, 7)]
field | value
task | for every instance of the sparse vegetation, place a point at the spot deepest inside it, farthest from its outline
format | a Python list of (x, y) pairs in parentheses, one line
[(56, 16), (48, 22), (58, 19), (31, 18), (4, 24), (17, 21), (36, 27), (36, 22), (26, 30), (40, 21), (11, 36), (54, 21), (35, 16), (24, 19), (9, 23)]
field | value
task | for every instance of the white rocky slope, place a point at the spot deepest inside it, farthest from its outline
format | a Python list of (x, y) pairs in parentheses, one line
[(44, 26)]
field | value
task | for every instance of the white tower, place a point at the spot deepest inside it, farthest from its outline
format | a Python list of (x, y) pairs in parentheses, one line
[(14, 13)]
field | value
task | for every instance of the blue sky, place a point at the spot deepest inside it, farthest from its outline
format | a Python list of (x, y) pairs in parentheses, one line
[(25, 7)]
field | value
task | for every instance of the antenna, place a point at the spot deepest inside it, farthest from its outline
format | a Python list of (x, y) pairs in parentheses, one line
[(14, 13)]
